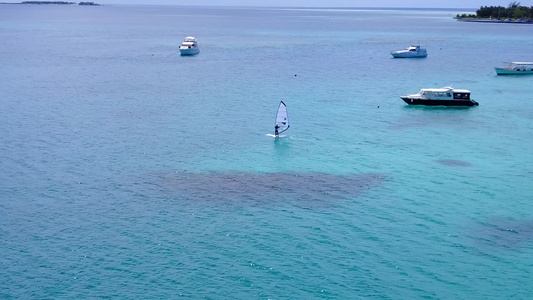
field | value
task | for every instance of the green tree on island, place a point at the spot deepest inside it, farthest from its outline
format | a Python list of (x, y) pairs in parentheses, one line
[(512, 11)]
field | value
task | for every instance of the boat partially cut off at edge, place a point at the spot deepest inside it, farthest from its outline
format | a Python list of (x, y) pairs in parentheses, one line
[(515, 68), (446, 96)]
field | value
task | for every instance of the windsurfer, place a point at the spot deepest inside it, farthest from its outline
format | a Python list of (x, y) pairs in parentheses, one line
[(276, 133)]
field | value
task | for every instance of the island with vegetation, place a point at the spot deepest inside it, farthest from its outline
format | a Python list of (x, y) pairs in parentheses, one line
[(514, 13)]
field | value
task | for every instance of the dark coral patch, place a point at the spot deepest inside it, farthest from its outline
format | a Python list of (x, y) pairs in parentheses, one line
[(454, 163), (307, 185), (503, 233)]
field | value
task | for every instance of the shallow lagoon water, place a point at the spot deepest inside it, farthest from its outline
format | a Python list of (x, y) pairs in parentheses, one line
[(129, 171)]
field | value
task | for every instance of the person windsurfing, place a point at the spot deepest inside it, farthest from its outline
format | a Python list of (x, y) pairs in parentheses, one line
[(282, 120)]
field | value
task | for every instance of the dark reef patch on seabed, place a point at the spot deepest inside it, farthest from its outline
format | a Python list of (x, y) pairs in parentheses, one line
[(503, 233), (268, 186), (454, 163)]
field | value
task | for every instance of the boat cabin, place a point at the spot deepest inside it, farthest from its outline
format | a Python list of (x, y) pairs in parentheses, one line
[(189, 42), (433, 94), (461, 96), (187, 45), (520, 66), (446, 93)]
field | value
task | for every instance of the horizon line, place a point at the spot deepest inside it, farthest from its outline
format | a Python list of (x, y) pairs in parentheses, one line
[(267, 6)]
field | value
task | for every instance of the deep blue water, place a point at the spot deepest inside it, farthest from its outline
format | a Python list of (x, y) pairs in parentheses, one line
[(130, 172)]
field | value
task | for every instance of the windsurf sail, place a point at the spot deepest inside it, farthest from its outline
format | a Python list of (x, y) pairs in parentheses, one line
[(282, 118)]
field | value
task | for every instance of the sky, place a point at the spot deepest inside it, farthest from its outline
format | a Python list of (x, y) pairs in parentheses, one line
[(317, 3)]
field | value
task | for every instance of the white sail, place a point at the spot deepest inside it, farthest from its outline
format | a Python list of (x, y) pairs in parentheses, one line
[(282, 118)]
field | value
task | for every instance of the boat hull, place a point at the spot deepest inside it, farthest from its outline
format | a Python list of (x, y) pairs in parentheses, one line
[(429, 102), (407, 55), (502, 71), (189, 51)]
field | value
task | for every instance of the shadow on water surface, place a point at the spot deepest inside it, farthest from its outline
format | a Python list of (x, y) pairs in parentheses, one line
[(439, 108), (418, 115)]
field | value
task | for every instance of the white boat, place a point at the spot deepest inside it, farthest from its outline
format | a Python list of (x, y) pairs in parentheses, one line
[(410, 52), (515, 68), (447, 96), (189, 46), (282, 120)]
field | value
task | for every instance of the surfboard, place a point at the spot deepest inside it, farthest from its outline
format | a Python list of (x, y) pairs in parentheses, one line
[(273, 135)]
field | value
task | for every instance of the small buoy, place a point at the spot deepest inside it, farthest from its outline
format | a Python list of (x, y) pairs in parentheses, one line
[(295, 75), (378, 106)]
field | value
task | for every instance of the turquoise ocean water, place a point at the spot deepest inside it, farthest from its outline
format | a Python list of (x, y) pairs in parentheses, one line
[(130, 172)]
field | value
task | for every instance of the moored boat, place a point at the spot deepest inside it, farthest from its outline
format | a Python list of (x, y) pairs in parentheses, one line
[(189, 46), (515, 68), (446, 96), (410, 52)]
